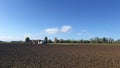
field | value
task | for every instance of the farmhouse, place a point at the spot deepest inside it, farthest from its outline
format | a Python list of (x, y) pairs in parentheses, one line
[(37, 41)]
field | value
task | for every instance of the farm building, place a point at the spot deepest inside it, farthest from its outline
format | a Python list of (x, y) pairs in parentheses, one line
[(37, 41)]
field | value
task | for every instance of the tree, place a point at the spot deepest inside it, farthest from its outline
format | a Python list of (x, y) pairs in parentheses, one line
[(49, 41), (110, 40), (118, 41), (96, 40), (86, 41), (104, 40), (61, 41), (46, 39), (81, 41), (56, 40), (0, 41), (27, 39)]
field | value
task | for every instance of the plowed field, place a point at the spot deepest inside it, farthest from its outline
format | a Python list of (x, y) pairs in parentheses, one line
[(59, 56)]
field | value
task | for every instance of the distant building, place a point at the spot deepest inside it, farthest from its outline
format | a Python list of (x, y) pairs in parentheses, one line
[(37, 41)]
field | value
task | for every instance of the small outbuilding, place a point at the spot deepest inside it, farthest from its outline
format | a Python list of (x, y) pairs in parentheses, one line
[(37, 41)]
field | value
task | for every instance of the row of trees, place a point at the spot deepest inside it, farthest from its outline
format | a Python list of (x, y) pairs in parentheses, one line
[(92, 40)]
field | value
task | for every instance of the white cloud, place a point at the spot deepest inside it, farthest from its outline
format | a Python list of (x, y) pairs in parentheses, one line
[(83, 32), (80, 34), (52, 30), (65, 29)]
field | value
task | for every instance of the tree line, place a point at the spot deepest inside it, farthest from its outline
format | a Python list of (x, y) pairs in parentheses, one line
[(56, 40), (92, 40)]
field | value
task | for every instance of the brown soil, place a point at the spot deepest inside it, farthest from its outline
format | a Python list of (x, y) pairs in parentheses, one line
[(59, 56)]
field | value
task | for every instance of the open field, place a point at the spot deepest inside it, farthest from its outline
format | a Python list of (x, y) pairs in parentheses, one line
[(108, 44), (58, 56)]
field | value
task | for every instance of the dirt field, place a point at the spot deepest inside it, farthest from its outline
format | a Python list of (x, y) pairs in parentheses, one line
[(56, 56)]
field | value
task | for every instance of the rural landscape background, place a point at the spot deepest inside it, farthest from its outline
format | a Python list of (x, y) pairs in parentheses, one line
[(59, 34)]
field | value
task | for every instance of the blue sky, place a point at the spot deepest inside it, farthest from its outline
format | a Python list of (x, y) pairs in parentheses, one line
[(67, 19)]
